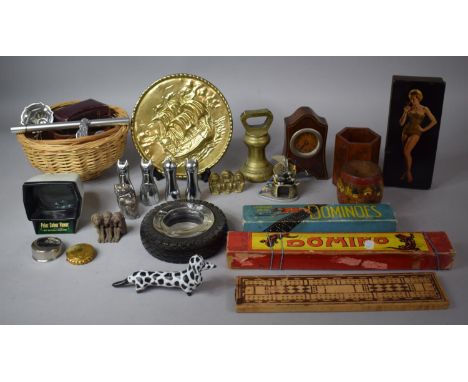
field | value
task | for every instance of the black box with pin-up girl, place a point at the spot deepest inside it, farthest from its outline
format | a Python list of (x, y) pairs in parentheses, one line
[(414, 123)]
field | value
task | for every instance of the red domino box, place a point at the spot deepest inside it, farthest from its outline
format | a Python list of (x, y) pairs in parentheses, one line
[(368, 250)]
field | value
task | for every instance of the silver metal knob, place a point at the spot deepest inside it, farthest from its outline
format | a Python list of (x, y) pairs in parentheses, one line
[(37, 114)]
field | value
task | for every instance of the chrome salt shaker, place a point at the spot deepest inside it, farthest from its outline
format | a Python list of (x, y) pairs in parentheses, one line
[(191, 168), (172, 189)]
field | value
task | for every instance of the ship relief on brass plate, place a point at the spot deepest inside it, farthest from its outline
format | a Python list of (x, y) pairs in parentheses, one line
[(182, 116)]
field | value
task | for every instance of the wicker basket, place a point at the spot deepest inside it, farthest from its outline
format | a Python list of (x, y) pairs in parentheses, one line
[(88, 156)]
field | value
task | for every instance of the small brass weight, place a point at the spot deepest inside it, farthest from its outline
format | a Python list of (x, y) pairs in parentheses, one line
[(257, 168)]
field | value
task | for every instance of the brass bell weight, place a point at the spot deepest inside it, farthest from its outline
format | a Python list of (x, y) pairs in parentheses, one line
[(257, 168)]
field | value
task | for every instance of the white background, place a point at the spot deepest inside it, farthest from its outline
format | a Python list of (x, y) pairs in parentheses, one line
[(276, 353)]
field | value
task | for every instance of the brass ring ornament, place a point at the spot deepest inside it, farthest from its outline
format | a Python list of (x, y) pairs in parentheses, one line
[(301, 133), (182, 116)]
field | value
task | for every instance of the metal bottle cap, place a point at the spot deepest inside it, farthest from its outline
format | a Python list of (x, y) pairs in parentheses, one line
[(80, 254), (46, 249)]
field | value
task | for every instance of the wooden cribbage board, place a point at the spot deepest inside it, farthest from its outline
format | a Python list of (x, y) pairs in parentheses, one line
[(340, 293)]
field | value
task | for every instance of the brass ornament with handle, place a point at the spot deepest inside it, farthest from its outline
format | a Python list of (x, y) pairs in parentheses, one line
[(257, 168)]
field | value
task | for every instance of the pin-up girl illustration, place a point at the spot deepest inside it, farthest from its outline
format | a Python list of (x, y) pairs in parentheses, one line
[(411, 120)]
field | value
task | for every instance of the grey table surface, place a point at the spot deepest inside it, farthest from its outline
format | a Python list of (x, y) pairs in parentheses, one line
[(347, 91)]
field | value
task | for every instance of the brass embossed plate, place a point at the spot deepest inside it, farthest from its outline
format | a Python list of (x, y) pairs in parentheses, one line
[(340, 293), (182, 116)]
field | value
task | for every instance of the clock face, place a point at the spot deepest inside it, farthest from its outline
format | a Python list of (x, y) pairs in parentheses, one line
[(305, 143)]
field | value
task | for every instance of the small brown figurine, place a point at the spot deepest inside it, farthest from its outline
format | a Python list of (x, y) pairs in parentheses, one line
[(98, 222), (119, 225), (106, 217), (214, 183), (110, 226), (226, 182), (239, 182), (305, 141)]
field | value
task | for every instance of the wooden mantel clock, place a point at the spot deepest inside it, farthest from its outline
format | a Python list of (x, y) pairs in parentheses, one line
[(305, 141)]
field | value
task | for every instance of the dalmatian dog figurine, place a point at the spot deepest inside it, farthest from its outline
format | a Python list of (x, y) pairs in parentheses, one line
[(188, 280)]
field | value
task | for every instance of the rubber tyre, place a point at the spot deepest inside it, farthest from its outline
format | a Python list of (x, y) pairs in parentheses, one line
[(179, 250)]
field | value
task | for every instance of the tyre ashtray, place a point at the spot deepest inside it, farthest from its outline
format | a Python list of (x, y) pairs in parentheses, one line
[(175, 231)]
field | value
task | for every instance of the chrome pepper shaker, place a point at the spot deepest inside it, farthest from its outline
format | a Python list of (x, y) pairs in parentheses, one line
[(125, 193), (191, 168), (149, 194), (172, 189)]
